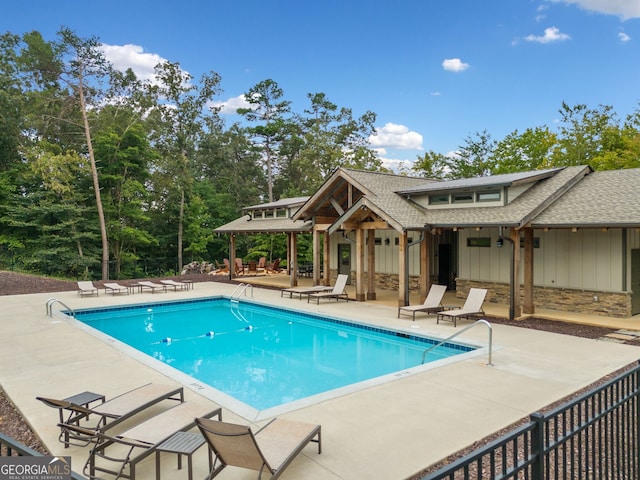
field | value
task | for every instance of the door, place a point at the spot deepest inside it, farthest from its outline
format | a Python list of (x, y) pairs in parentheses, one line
[(635, 281), (445, 275), (344, 260)]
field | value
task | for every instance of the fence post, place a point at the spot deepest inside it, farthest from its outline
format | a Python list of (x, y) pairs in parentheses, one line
[(636, 413), (537, 446)]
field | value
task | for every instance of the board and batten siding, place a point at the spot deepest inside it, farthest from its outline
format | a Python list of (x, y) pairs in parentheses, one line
[(386, 254), (589, 259)]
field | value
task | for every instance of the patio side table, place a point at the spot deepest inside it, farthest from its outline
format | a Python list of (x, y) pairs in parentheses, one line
[(182, 443)]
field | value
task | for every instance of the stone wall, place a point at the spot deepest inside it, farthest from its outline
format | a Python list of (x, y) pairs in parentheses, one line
[(590, 302), (608, 304)]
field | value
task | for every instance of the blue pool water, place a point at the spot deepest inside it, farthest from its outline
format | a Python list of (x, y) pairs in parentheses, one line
[(260, 355)]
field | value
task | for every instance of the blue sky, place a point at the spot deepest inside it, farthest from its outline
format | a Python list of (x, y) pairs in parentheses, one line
[(434, 71)]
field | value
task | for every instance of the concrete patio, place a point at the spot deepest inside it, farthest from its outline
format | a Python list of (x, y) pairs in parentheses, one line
[(390, 430)]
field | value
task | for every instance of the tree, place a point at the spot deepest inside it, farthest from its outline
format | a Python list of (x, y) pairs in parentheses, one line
[(180, 120), (431, 165), (581, 134), (68, 74), (473, 159), (268, 109), (519, 152)]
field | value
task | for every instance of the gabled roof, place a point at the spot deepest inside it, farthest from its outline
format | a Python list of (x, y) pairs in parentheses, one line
[(376, 190), (602, 199)]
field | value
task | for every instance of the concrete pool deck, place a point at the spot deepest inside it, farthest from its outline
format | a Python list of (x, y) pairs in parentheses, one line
[(390, 430)]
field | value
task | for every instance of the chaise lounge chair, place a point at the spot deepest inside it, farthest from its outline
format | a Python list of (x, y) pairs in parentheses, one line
[(141, 440), (175, 285), (338, 291), (271, 449), (87, 288), (152, 286), (472, 306), (115, 288), (305, 290), (433, 302), (109, 413)]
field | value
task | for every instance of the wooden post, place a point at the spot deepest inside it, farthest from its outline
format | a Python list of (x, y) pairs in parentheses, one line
[(402, 270), (232, 256), (360, 296), (515, 238), (327, 259), (293, 259), (316, 257), (371, 266), (425, 278), (528, 304)]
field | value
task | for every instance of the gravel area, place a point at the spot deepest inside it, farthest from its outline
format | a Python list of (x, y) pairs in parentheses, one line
[(11, 283)]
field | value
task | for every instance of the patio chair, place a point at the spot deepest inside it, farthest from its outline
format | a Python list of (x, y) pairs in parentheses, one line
[(152, 286), (274, 267), (262, 264), (271, 449), (115, 289), (141, 440), (472, 306), (175, 285), (433, 302), (87, 288), (109, 413), (239, 267), (338, 291)]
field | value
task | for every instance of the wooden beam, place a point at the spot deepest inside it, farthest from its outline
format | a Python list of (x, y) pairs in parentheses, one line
[(337, 206), (377, 225)]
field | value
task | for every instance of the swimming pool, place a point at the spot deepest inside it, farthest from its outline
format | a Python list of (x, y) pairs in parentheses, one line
[(260, 355)]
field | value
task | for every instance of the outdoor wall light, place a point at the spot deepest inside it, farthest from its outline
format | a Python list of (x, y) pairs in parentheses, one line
[(499, 243)]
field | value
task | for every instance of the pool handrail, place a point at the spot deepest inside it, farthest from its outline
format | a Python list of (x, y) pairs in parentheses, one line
[(50, 303), (484, 322), (243, 289)]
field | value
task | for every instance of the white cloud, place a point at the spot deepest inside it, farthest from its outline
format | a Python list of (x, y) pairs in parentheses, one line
[(396, 136), (454, 65), (623, 37), (132, 56), (551, 34), (229, 106), (625, 9)]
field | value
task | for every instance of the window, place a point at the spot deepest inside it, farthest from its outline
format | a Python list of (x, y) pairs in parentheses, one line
[(488, 196), (281, 213), (479, 242), (438, 199), (462, 198)]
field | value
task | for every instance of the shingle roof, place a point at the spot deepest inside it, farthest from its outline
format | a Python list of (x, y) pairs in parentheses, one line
[(601, 199), (283, 202), (261, 225)]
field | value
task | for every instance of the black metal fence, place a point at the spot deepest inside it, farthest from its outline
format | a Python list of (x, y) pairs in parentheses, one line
[(11, 448), (592, 437)]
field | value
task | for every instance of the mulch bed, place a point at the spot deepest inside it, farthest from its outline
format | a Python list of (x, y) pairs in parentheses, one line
[(11, 283)]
